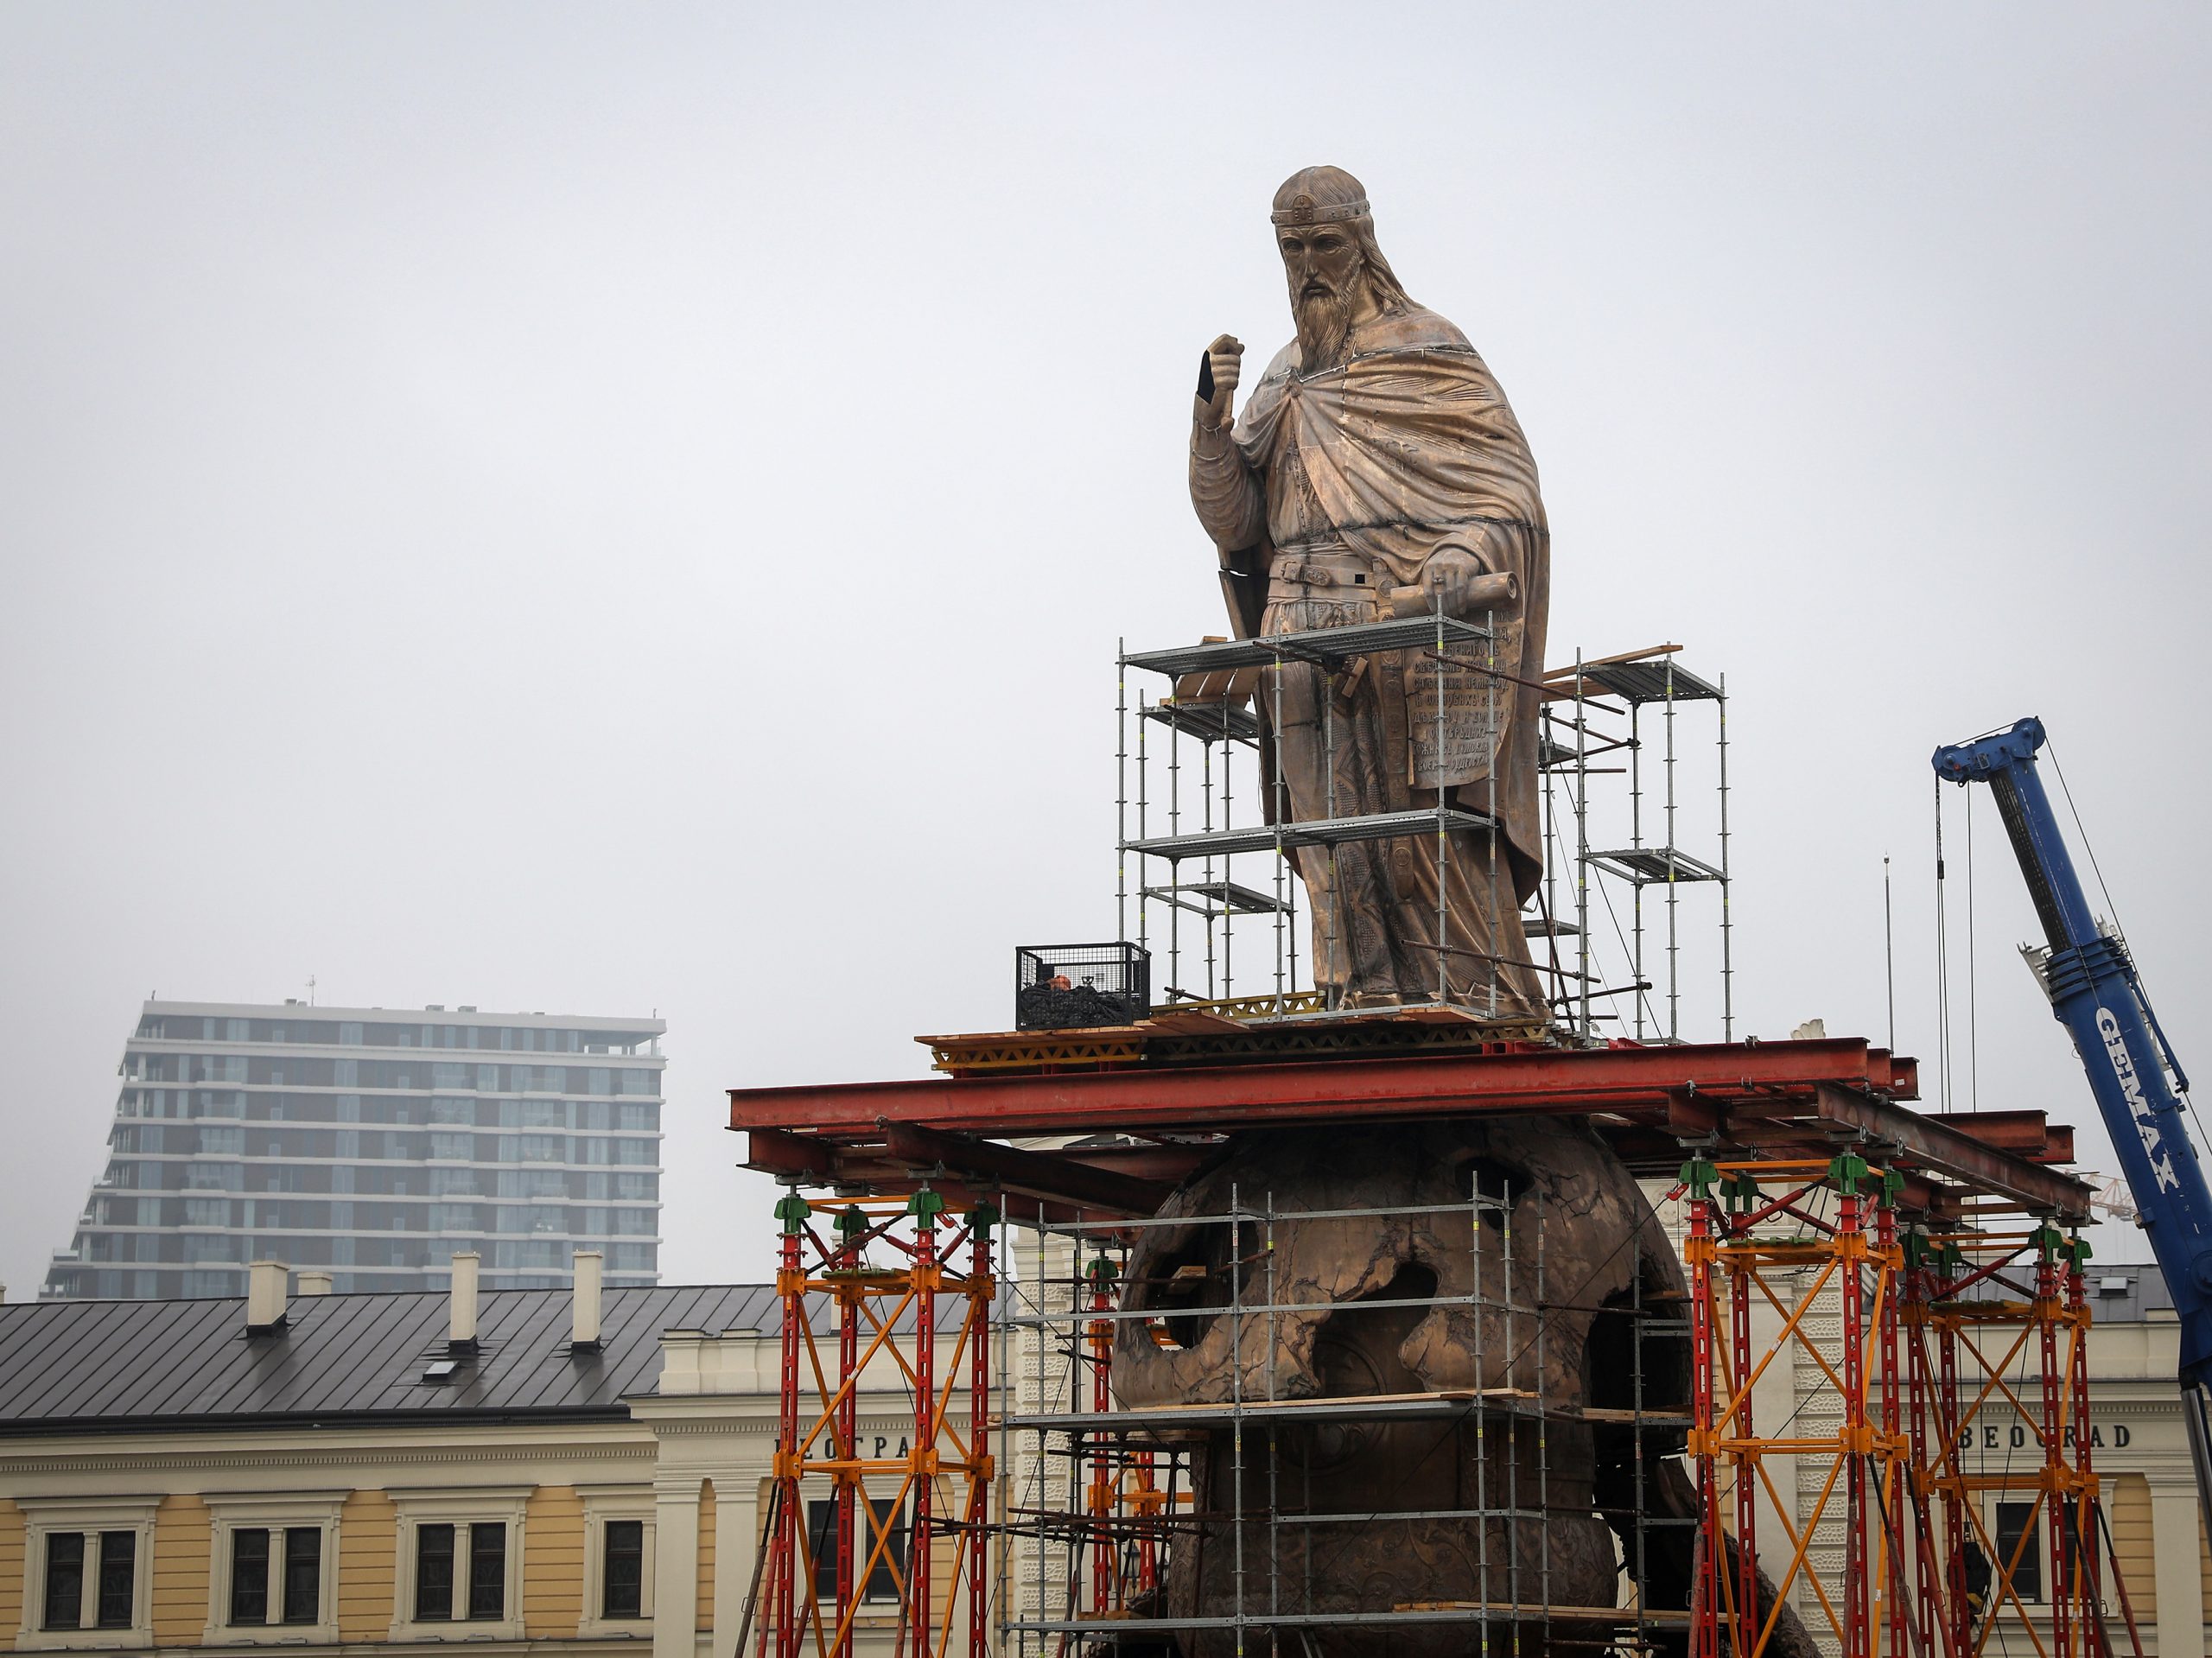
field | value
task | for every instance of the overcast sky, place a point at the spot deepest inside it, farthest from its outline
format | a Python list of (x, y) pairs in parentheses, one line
[(621, 508)]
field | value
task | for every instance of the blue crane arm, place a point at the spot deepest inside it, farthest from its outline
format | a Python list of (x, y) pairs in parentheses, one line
[(2096, 995)]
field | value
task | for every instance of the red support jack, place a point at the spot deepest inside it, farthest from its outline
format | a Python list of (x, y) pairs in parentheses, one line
[(887, 1318)]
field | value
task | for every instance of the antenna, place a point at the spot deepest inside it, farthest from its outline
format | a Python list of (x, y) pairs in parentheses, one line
[(310, 989), (1889, 953)]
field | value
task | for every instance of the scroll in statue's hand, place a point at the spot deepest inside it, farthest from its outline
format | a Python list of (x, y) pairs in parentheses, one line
[(1217, 374), (1460, 581)]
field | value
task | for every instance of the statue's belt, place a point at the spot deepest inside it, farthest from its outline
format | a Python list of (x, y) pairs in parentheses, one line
[(1341, 574)]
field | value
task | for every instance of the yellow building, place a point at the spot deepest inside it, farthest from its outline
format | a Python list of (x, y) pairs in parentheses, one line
[(524, 1469)]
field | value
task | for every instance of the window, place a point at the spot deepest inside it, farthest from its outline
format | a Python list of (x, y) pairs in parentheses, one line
[(2016, 1520), (290, 1594), (119, 1574), (86, 1589), (487, 1572), (438, 1556), (432, 1574), (302, 1574), (65, 1580), (622, 1582), (618, 1560), (459, 1553), (250, 1575), (881, 1583), (270, 1553)]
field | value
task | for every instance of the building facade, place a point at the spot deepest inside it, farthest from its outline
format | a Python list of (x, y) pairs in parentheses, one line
[(371, 1144), (541, 1471)]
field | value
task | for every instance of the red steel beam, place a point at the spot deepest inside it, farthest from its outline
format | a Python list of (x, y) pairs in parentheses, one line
[(1944, 1150), (826, 1163), (1234, 1095), (2027, 1134), (1037, 1174)]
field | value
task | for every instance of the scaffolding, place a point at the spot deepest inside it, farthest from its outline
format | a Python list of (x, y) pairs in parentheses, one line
[(1922, 1272), (1578, 696), (1913, 1565), (1238, 1475), (944, 1475), (1190, 894)]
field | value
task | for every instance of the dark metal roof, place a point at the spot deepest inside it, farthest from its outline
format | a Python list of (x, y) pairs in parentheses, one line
[(83, 1365)]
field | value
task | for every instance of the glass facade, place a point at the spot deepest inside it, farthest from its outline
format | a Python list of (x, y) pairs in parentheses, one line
[(372, 1144)]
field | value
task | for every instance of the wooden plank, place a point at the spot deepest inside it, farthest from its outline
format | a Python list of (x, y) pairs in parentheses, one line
[(1566, 673)]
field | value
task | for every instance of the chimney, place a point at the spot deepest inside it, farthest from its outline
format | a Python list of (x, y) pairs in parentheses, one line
[(315, 1283), (266, 1284), (461, 1327), (583, 1326)]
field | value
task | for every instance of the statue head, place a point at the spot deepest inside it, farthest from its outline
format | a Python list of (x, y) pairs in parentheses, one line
[(1337, 274)]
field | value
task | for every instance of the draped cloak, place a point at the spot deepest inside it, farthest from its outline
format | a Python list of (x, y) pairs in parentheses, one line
[(1409, 443)]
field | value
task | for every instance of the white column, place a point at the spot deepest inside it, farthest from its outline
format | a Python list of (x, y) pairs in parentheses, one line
[(738, 1514), (676, 1567), (2181, 1586)]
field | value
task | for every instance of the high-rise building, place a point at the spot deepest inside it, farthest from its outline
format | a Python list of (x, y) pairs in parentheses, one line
[(371, 1144)]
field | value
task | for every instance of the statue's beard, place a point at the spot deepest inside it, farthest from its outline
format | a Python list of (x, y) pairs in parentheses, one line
[(1324, 327)]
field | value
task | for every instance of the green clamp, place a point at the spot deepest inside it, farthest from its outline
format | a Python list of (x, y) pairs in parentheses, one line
[(2077, 1251), (793, 1210), (982, 1218), (1891, 1190), (1846, 1170), (1740, 1190), (1698, 1176), (1103, 1273), (1918, 1250), (1952, 1258), (925, 1206), (849, 1224), (2049, 1241)]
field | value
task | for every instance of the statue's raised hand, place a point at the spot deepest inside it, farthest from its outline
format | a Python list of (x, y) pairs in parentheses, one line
[(1217, 374)]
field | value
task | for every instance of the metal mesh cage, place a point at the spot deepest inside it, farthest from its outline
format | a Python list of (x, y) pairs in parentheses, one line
[(1068, 987)]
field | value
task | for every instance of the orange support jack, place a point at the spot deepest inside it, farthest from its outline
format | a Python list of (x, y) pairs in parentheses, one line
[(1936, 1335), (881, 1314), (1736, 1247)]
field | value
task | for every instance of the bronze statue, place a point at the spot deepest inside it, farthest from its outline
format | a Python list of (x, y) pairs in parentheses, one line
[(1377, 470)]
